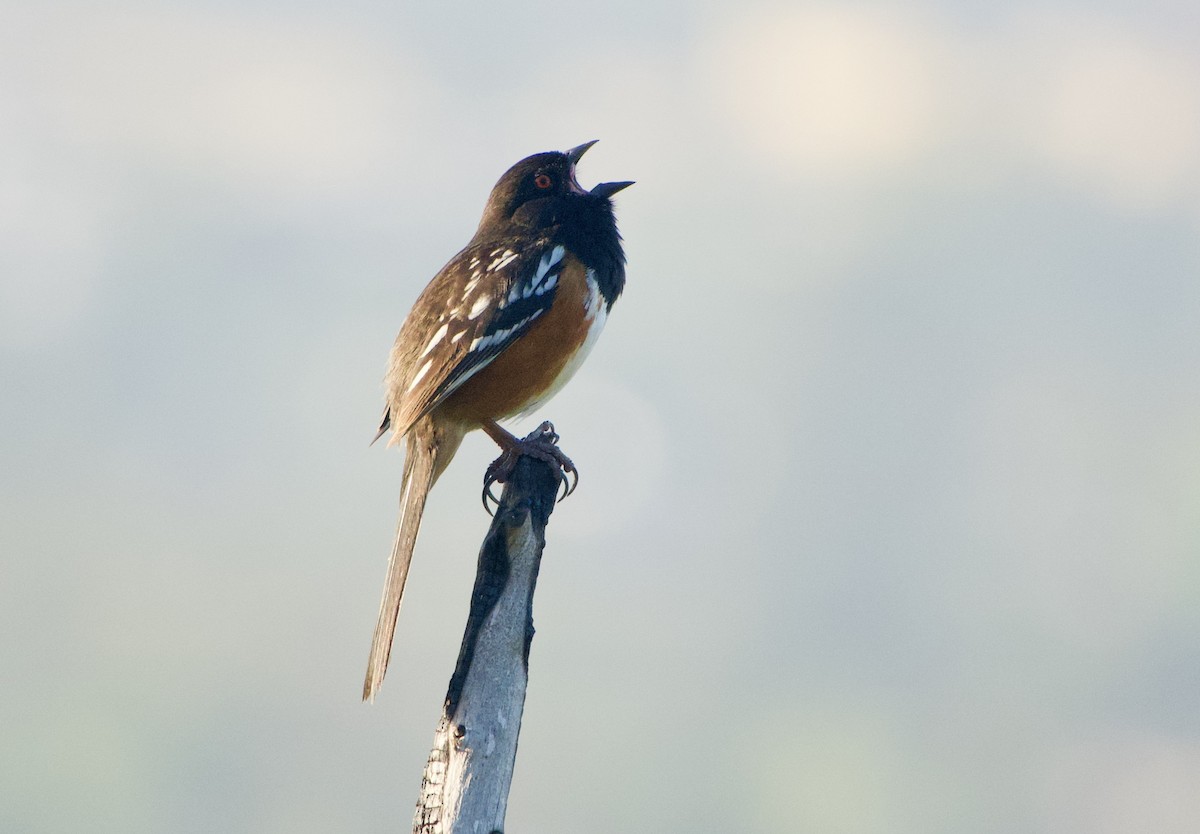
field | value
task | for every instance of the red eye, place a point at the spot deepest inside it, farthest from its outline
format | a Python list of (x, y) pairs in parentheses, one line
[(543, 181)]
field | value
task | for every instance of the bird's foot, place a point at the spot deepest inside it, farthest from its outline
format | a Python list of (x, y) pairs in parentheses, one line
[(542, 444)]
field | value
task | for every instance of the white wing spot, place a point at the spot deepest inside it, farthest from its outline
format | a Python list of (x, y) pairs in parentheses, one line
[(479, 306), (501, 336), (525, 289), (437, 337), (457, 336), (550, 260), (504, 259), (420, 375)]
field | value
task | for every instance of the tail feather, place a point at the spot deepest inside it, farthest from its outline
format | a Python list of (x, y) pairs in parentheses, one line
[(419, 464), (384, 425)]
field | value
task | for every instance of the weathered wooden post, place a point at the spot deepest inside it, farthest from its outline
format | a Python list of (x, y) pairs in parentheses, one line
[(465, 784)]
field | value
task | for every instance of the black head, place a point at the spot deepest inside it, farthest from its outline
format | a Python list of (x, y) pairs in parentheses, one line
[(541, 191)]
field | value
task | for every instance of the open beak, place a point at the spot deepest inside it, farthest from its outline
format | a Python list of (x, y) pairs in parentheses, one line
[(607, 189), (604, 189), (579, 150)]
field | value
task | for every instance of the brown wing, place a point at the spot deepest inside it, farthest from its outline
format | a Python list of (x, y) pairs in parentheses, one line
[(486, 297)]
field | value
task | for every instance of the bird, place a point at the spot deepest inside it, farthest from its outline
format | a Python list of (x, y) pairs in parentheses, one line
[(497, 332)]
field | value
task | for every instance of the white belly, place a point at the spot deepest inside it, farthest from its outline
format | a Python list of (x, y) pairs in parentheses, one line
[(595, 313)]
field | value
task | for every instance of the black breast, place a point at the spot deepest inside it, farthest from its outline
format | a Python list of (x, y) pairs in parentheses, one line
[(589, 230)]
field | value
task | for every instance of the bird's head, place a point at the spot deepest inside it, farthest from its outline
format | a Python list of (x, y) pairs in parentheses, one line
[(542, 190)]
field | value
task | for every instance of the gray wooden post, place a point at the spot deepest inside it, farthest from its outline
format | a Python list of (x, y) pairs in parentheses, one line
[(465, 784)]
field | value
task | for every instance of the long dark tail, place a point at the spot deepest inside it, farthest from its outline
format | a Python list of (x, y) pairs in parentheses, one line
[(420, 470)]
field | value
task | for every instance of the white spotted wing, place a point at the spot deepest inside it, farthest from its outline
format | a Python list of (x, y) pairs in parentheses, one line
[(484, 299)]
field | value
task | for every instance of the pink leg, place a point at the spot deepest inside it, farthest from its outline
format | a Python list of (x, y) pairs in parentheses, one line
[(542, 444)]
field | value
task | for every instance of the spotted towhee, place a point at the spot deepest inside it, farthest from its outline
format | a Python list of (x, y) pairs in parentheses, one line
[(496, 333)]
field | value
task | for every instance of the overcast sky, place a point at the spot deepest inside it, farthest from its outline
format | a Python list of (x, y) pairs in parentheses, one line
[(889, 520)]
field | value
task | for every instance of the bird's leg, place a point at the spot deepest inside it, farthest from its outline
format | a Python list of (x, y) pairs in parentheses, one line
[(542, 444)]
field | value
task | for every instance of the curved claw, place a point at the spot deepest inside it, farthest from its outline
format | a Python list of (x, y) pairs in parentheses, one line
[(567, 483), (542, 444), (489, 495)]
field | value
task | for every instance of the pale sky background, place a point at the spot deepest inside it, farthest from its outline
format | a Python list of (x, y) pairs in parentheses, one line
[(890, 512)]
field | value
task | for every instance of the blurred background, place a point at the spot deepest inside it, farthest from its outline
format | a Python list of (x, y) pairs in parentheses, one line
[(890, 508)]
